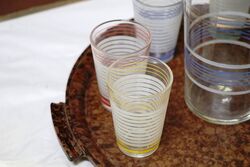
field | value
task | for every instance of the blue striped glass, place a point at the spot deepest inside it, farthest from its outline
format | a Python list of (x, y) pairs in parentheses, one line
[(163, 19)]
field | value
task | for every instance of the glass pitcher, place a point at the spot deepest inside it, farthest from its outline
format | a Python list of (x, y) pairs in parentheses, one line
[(217, 59)]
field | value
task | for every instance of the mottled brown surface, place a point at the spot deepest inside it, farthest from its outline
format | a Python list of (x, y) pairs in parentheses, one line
[(186, 141)]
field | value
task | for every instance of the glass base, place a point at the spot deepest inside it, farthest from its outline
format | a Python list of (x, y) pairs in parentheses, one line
[(137, 153), (215, 120), (108, 108), (217, 108), (105, 103), (165, 57)]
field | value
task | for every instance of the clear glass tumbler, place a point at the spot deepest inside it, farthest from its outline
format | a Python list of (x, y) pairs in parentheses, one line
[(163, 18), (139, 89), (113, 40), (217, 60)]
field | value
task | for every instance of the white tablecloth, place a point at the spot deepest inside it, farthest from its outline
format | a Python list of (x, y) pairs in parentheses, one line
[(37, 53)]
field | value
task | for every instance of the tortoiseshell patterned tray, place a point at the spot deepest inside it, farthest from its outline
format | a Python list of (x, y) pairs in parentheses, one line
[(85, 128)]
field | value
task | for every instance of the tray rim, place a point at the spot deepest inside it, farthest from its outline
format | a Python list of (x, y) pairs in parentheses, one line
[(79, 147)]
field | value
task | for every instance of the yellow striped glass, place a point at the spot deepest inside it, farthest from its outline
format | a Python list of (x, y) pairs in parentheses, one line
[(139, 89)]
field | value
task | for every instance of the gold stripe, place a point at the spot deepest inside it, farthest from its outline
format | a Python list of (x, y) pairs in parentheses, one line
[(124, 147)]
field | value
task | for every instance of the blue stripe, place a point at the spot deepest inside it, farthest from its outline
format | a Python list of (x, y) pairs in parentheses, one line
[(233, 22), (160, 15), (215, 77), (208, 29), (164, 56)]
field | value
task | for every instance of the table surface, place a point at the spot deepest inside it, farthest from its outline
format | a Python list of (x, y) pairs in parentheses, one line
[(37, 53)]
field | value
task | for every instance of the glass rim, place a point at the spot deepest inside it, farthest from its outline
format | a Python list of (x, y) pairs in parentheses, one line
[(148, 42), (158, 94), (158, 6)]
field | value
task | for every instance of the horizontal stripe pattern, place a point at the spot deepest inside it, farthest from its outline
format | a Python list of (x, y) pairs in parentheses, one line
[(164, 23)]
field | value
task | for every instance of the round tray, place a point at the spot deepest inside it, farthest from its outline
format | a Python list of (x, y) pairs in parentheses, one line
[(86, 131)]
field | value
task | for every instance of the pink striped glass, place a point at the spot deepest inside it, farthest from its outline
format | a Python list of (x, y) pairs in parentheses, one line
[(113, 40)]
